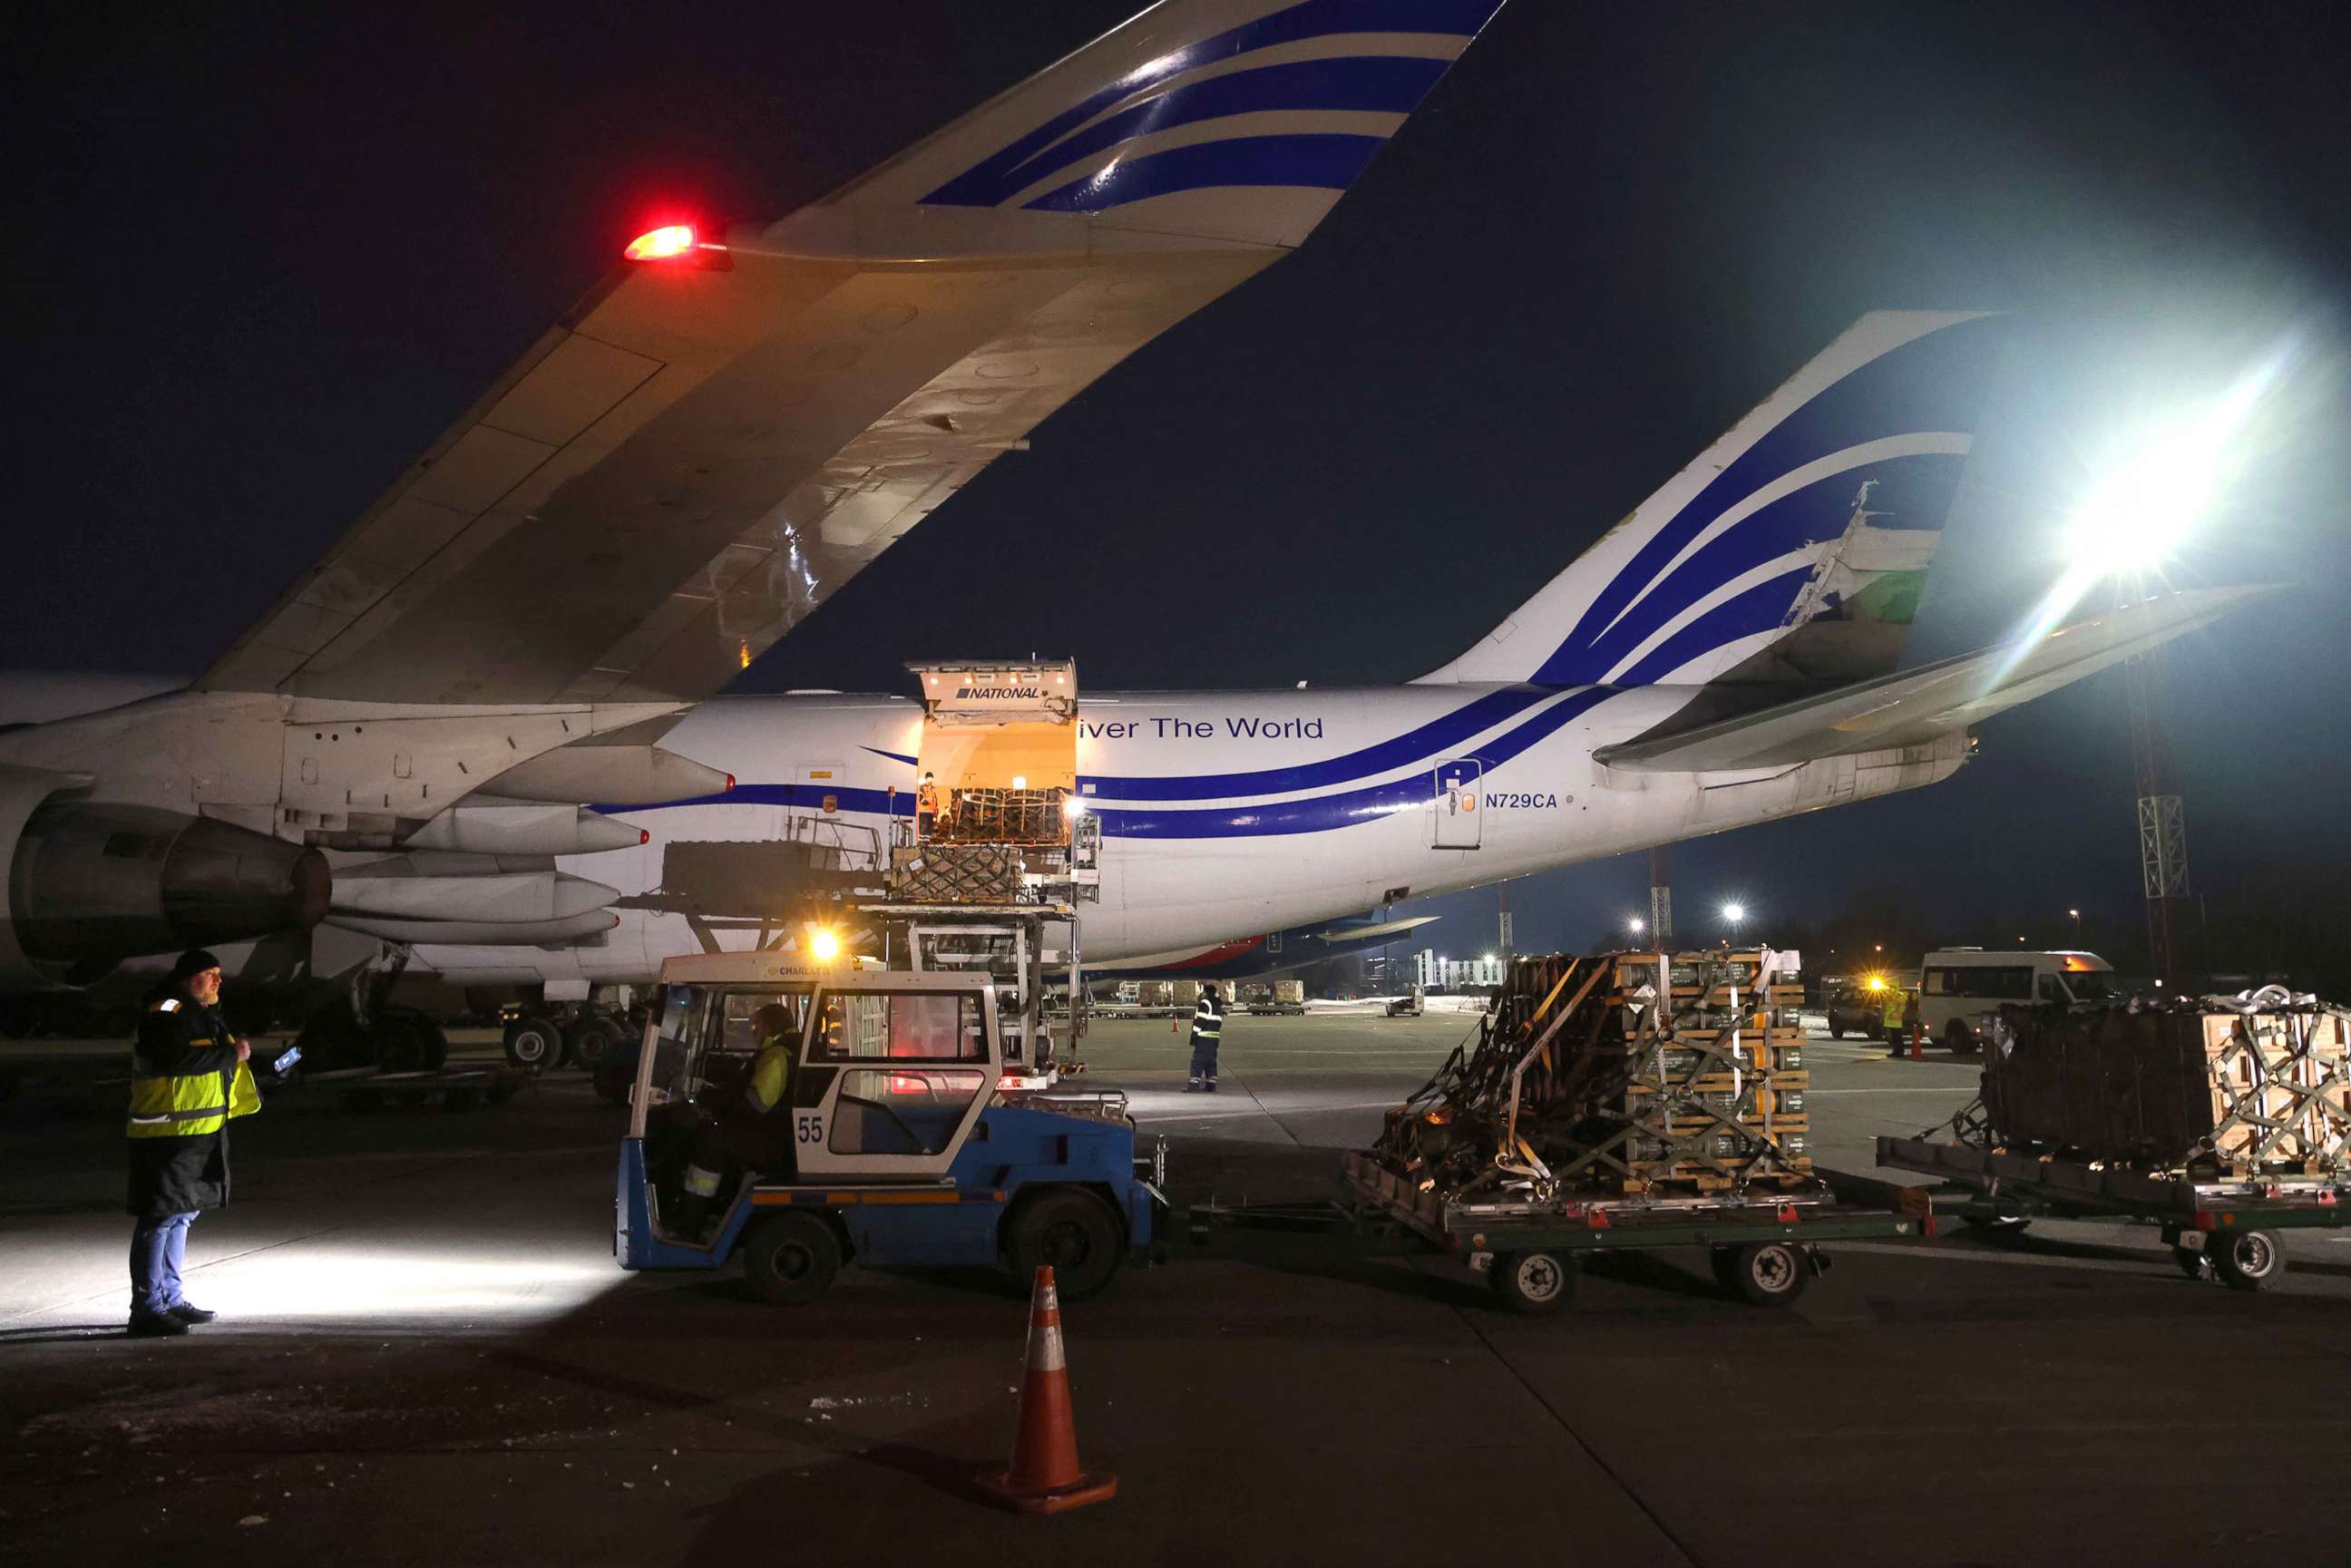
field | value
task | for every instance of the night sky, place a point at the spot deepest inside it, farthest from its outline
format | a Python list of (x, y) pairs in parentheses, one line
[(256, 264)]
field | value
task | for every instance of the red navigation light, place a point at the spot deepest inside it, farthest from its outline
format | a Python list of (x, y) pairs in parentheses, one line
[(644, 835), (663, 243), (730, 781)]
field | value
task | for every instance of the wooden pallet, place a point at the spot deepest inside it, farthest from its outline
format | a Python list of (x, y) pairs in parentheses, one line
[(1708, 1181)]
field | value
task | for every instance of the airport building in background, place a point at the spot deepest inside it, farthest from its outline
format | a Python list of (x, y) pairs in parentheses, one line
[(1431, 973)]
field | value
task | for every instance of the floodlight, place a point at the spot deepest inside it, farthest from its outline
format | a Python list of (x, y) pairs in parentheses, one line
[(2138, 515), (823, 945), (1734, 912)]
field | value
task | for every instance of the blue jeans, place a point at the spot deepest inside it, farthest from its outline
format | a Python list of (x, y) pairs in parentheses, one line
[(1203, 1058), (157, 1249)]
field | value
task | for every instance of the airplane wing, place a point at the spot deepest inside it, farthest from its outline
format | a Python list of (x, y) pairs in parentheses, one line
[(1919, 706), (731, 424)]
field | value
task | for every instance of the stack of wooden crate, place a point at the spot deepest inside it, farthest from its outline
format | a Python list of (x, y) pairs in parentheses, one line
[(1677, 1073), (2207, 1088), (1711, 1085), (935, 872)]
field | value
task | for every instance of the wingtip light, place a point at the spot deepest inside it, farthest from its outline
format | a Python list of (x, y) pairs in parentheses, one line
[(664, 244)]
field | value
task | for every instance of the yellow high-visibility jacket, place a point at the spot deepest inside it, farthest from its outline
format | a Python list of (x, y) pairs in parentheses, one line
[(187, 1086)]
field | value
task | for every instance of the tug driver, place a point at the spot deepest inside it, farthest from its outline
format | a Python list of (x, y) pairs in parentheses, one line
[(752, 1129)]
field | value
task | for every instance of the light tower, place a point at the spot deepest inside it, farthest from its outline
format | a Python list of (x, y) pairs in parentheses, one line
[(1661, 897), (2151, 495), (2162, 819)]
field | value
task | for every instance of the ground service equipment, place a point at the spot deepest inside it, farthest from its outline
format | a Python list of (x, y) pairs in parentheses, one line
[(912, 1144), (2223, 1121), (1764, 1252), (1617, 1102)]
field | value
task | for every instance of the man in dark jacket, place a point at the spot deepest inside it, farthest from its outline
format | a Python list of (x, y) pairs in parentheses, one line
[(188, 1078)]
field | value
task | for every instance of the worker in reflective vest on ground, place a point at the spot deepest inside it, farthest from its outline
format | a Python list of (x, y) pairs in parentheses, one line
[(189, 1077), (1207, 1028), (754, 1128), (1897, 1010)]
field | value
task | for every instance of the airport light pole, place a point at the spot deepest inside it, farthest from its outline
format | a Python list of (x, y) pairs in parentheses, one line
[(1661, 897), (2143, 505), (2162, 816)]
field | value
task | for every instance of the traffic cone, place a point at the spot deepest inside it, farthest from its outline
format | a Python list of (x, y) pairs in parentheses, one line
[(1045, 1476), (1918, 1042)]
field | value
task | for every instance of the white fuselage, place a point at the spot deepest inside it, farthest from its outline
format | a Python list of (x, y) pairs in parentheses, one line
[(1223, 813)]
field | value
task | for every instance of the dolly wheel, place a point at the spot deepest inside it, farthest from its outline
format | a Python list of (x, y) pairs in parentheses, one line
[(790, 1259), (1536, 1283), (2192, 1261), (1763, 1273), (1075, 1232), (2248, 1260)]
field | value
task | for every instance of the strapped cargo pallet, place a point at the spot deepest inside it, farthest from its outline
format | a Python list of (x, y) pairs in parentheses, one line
[(1618, 1073), (2225, 1121), (2217, 1088)]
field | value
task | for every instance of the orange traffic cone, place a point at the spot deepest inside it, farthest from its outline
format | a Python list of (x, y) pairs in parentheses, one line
[(1045, 1476), (1918, 1042)]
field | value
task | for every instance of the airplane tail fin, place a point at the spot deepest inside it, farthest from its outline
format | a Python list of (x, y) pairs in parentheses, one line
[(1226, 120), (1793, 550)]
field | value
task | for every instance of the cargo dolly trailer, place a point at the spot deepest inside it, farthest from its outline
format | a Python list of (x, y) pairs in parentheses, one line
[(1764, 1248), (2221, 1226)]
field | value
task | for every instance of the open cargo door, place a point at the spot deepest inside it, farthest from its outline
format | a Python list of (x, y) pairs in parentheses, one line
[(1000, 746)]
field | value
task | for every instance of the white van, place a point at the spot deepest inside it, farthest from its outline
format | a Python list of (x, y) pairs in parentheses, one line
[(1961, 988)]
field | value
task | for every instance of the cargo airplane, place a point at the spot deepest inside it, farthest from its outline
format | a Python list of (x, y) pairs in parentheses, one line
[(485, 739)]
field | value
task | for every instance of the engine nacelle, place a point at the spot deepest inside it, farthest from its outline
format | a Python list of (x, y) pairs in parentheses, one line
[(89, 883)]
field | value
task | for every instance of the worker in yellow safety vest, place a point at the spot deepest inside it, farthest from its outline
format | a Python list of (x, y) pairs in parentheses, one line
[(1898, 1002), (752, 1129), (1207, 1030), (189, 1077)]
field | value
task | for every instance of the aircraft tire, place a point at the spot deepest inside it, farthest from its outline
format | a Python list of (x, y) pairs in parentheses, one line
[(591, 1041), (534, 1043)]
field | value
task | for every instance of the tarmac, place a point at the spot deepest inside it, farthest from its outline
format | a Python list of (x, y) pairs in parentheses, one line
[(425, 1350)]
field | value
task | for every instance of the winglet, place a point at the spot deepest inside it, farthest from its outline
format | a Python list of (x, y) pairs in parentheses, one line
[(1234, 120)]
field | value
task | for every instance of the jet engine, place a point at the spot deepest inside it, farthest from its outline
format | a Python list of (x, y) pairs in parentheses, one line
[(89, 883)]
